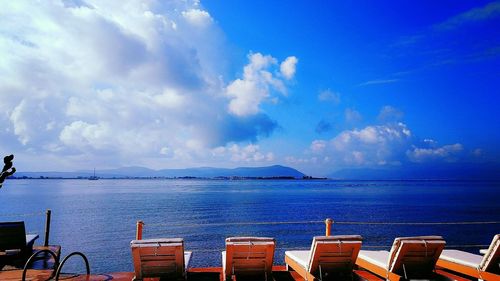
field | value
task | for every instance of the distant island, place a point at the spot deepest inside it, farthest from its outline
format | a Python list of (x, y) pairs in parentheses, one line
[(269, 172), (414, 171)]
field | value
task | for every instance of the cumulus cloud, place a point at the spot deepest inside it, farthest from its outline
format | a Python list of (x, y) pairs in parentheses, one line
[(287, 67), (371, 145), (378, 145), (318, 146), (114, 80), (447, 153), (249, 153), (352, 115), (329, 96), (197, 17), (257, 84), (390, 114)]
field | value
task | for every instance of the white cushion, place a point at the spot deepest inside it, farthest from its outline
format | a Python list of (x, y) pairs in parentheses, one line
[(338, 237), (224, 263), (461, 257), (156, 242), (301, 257), (243, 239), (187, 258), (378, 258)]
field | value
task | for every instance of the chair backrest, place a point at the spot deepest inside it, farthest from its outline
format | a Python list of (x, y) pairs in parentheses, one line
[(491, 260), (249, 255), (163, 257), (12, 236), (334, 253), (415, 256)]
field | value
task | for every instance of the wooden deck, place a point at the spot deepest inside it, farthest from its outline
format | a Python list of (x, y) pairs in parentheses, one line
[(194, 274), (42, 269)]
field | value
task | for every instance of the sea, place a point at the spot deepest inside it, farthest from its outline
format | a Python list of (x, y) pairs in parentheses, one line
[(98, 218)]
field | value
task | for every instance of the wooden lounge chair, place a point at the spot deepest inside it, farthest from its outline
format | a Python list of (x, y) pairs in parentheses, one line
[(163, 258), (485, 267), (14, 243), (330, 256), (248, 256), (410, 257)]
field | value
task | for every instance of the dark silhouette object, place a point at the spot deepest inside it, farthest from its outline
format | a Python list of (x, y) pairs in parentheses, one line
[(7, 160)]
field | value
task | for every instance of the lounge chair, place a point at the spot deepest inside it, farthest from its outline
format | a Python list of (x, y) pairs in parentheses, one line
[(485, 267), (248, 256), (329, 256), (164, 257), (14, 242), (410, 257)]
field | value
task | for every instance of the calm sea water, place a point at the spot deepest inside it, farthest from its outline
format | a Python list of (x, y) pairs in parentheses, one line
[(98, 217)]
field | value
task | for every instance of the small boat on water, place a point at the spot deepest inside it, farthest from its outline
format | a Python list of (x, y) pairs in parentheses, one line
[(94, 177)]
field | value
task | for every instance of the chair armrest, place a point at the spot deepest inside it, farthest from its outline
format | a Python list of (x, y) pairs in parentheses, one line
[(11, 252), (30, 240)]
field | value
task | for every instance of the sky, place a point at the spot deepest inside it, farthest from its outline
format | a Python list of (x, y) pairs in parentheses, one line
[(315, 85)]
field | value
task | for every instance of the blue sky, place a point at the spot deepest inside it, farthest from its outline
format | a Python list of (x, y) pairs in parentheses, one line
[(319, 86)]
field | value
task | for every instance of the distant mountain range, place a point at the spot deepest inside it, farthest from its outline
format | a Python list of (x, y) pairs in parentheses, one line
[(441, 171), (202, 172)]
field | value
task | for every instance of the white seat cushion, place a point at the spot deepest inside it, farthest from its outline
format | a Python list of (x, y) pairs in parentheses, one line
[(378, 258), (461, 257), (249, 239), (301, 257), (224, 262), (187, 258)]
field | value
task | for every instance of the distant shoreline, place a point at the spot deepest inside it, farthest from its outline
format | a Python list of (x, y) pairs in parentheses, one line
[(173, 178), (256, 178)]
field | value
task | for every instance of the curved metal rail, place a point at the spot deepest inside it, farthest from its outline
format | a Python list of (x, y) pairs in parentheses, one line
[(87, 267), (56, 259)]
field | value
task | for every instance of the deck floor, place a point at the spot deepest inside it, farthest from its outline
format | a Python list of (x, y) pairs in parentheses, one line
[(194, 274)]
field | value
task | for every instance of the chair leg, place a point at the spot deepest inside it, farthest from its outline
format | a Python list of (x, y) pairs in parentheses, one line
[(320, 273)]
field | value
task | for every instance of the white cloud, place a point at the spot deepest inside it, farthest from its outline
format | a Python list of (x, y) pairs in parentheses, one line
[(352, 116), (292, 160), (478, 152), (370, 145), (447, 153), (490, 10), (288, 67), (244, 154), (118, 81), (83, 135), (318, 146), (379, 82), (330, 96), (197, 17), (256, 86), (388, 144), (390, 114)]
